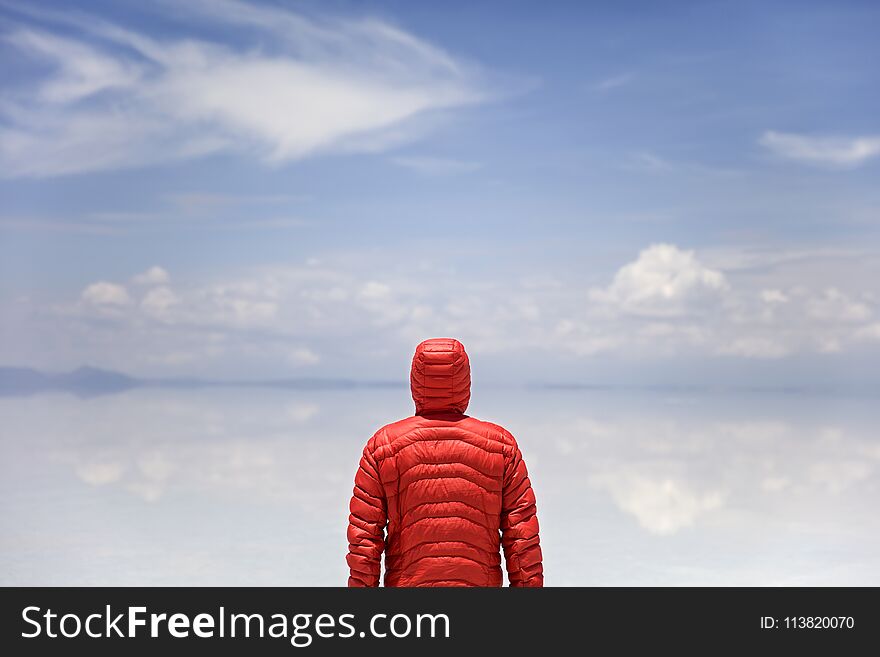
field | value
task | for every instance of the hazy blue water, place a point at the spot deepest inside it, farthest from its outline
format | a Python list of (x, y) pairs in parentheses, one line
[(236, 487)]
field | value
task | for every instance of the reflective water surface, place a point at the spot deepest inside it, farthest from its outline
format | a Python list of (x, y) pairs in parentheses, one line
[(251, 486)]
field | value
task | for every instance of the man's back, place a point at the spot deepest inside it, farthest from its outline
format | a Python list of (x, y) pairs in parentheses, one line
[(452, 490)]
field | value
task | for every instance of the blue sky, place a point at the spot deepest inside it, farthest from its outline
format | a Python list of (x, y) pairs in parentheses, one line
[(578, 192)]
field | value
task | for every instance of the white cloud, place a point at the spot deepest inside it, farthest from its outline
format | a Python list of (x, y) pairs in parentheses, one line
[(829, 345), (303, 356), (156, 465), (436, 166), (82, 70), (153, 276), (237, 308), (332, 310), (838, 475), (663, 280), (159, 301), (834, 306), (773, 296), (839, 152), (661, 505), (374, 290), (585, 338), (313, 85), (774, 484), (301, 412), (101, 473), (870, 332), (752, 346), (103, 293)]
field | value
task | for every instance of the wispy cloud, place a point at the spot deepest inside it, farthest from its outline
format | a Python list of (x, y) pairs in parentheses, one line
[(44, 225), (198, 206), (436, 166), (115, 97), (195, 202), (195, 209), (837, 152), (652, 163), (614, 82), (119, 223), (649, 162)]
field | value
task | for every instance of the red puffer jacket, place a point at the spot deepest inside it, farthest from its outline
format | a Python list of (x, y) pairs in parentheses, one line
[(452, 490)]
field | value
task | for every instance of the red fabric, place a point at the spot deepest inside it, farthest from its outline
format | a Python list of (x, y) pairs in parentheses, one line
[(442, 493)]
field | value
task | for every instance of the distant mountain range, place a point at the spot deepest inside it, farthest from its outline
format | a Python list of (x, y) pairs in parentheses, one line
[(91, 381)]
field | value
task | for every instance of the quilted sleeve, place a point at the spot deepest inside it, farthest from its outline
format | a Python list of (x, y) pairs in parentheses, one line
[(519, 524), (366, 524)]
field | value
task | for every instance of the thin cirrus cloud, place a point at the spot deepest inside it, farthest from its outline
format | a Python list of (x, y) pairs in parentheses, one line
[(115, 97), (436, 166), (835, 152), (614, 82)]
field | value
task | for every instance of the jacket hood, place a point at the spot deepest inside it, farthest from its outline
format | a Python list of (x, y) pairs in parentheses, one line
[(441, 376)]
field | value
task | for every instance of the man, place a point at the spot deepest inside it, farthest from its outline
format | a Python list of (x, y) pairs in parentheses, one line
[(452, 490)]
